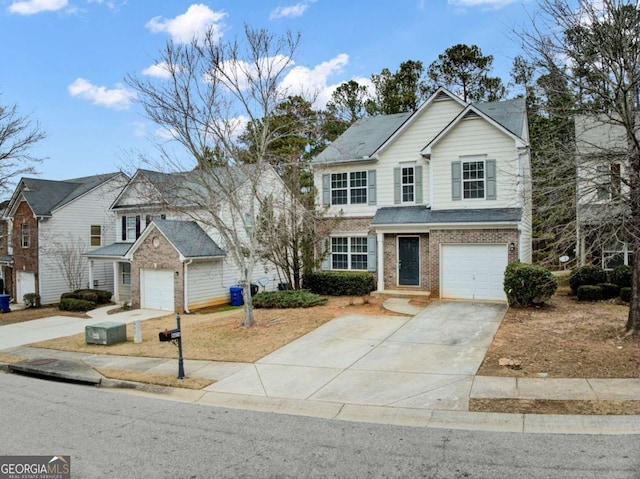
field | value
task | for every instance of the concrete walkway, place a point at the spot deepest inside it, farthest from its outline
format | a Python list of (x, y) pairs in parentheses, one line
[(404, 370)]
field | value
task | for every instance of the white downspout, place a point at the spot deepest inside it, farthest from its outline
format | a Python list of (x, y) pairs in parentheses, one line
[(186, 285), (380, 240), (116, 280)]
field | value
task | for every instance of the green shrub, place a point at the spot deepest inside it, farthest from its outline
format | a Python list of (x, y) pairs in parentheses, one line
[(609, 290), (31, 300), (588, 275), (338, 283), (103, 297), (287, 299), (72, 304), (589, 293), (625, 294), (622, 276), (527, 284)]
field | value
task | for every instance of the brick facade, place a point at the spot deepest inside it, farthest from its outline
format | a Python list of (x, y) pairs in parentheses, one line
[(391, 280), (24, 259), (163, 256)]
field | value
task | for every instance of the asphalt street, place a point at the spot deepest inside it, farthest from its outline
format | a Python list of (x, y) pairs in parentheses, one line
[(109, 434)]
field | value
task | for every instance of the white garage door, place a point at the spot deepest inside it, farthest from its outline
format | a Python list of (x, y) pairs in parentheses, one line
[(156, 289), (473, 271)]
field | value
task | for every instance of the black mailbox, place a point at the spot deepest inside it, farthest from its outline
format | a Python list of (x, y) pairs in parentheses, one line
[(169, 335)]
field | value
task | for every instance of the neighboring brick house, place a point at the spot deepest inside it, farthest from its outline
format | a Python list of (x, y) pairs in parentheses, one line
[(436, 202), (49, 224), (162, 258)]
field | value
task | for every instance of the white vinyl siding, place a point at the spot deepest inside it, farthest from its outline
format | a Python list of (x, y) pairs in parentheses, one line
[(73, 221), (469, 140), (205, 283)]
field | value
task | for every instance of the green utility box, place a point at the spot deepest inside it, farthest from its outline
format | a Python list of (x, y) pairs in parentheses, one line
[(106, 333)]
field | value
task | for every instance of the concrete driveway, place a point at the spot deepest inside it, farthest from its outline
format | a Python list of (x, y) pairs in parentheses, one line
[(427, 361)]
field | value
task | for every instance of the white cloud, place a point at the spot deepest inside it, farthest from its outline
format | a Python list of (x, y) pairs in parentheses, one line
[(291, 11), (493, 4), (191, 24), (30, 7), (118, 98), (313, 81), (159, 70)]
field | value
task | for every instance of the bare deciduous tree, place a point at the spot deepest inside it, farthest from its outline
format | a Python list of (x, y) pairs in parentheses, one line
[(211, 92), (594, 49), (17, 135)]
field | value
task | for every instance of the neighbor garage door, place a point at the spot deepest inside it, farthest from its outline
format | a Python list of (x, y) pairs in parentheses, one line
[(473, 271), (156, 288)]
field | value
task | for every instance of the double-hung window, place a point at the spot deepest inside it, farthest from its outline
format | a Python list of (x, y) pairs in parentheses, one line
[(473, 179), (349, 188), (126, 273), (408, 184), (608, 181), (349, 253), (25, 231), (96, 235)]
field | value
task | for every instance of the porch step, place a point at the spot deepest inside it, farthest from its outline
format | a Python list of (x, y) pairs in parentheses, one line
[(402, 293), (402, 306)]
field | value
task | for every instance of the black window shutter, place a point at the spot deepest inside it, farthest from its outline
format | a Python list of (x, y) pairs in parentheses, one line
[(124, 228), (137, 226)]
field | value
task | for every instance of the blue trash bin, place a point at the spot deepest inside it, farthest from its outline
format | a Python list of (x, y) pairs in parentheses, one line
[(236, 296), (4, 303)]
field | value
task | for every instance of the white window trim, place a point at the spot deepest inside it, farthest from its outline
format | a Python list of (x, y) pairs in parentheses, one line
[(403, 184), (464, 161), (92, 236), (350, 253), (349, 188)]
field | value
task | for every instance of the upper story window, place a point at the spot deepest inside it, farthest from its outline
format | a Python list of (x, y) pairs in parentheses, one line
[(408, 184), (608, 181), (353, 188), (96, 235), (130, 228), (473, 179), (25, 231), (349, 188)]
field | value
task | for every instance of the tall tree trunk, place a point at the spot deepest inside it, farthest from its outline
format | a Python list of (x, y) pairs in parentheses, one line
[(633, 322)]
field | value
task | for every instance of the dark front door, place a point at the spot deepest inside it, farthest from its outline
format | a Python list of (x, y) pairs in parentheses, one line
[(409, 261)]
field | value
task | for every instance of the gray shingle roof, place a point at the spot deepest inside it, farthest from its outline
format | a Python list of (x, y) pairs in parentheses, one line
[(44, 196), (509, 113), (114, 250), (404, 215), (189, 239), (362, 139), (365, 136)]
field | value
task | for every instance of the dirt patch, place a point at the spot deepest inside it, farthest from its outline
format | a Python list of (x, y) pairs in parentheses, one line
[(547, 406), (565, 339), (21, 315), (220, 336), (155, 378)]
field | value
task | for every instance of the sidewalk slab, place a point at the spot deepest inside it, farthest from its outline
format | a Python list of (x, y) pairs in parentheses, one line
[(616, 389), (489, 387), (555, 388)]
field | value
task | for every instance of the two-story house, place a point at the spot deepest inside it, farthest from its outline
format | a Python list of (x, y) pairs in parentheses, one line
[(436, 201), (603, 233), (49, 225), (165, 257)]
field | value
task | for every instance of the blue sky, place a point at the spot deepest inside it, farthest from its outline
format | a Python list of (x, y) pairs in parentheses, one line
[(64, 61)]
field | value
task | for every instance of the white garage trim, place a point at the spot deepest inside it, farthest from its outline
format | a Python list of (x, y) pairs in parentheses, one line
[(473, 271), (157, 289)]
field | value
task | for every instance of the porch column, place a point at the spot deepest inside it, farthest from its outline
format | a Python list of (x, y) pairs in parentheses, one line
[(90, 274), (116, 292), (380, 239)]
